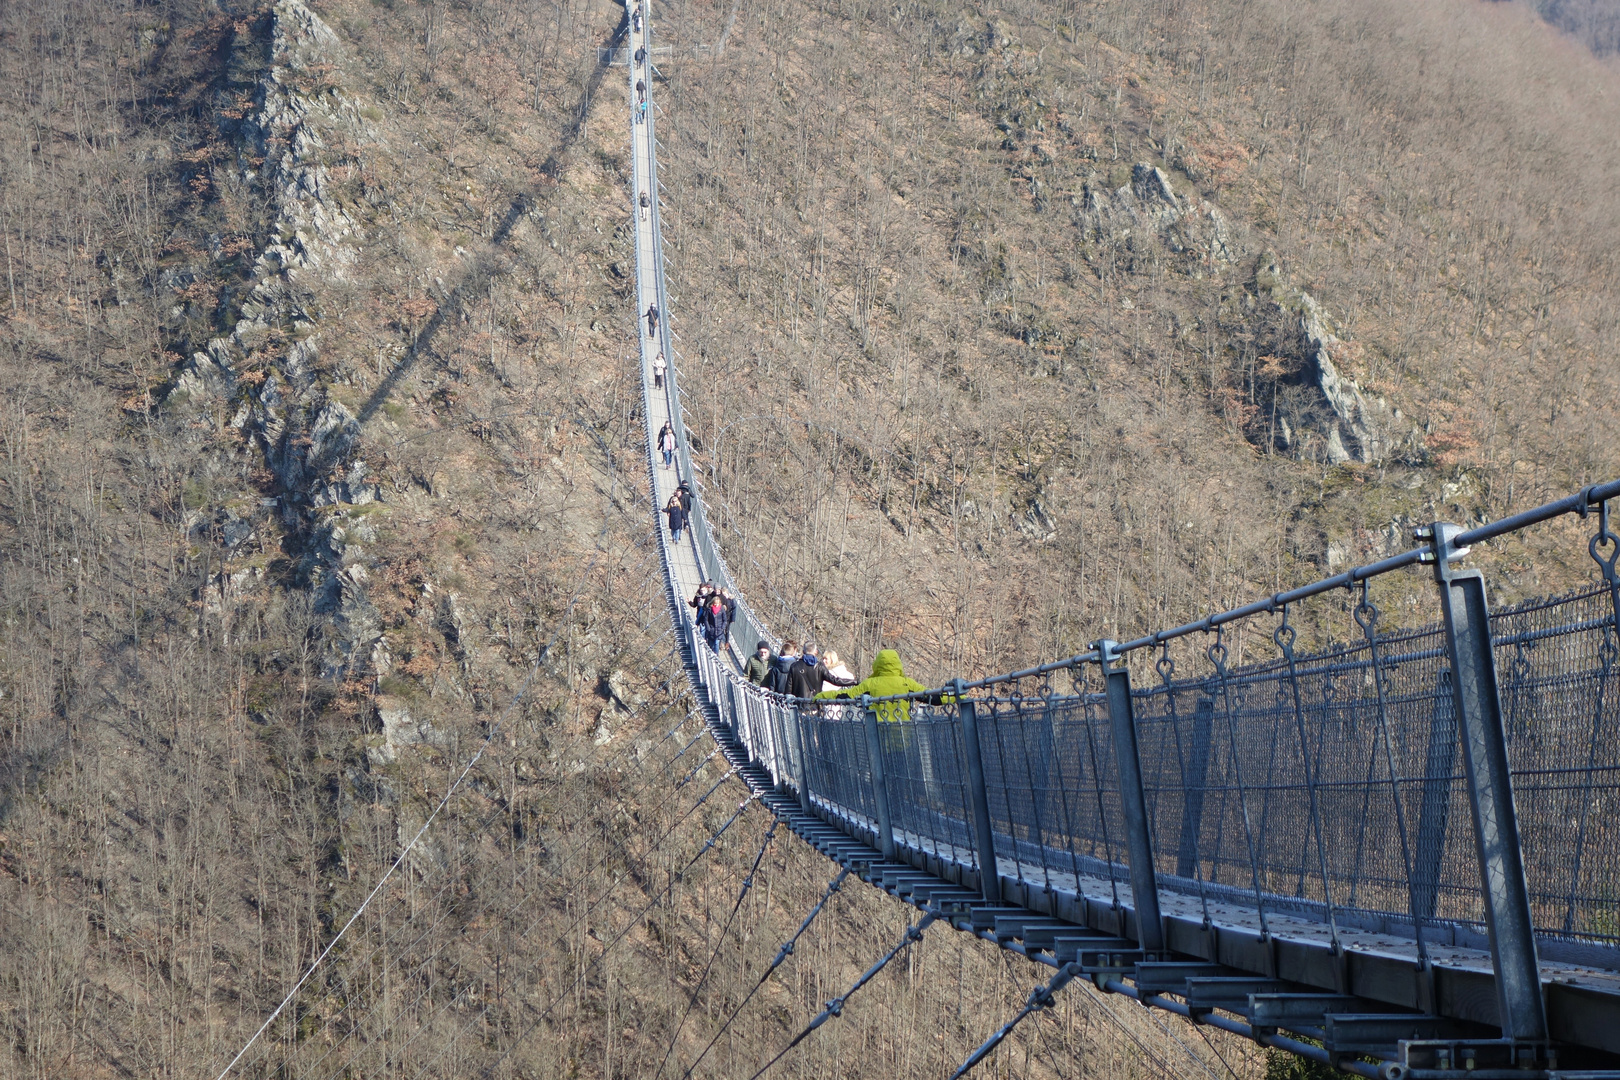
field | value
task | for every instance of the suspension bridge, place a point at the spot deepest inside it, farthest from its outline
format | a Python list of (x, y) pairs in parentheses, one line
[(1397, 854)]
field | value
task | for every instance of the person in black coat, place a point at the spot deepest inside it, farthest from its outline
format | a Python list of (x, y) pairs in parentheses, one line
[(677, 518), (715, 621), (776, 680), (807, 675)]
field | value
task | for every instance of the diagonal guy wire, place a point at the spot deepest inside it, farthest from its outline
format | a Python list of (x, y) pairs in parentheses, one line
[(835, 1007), (1039, 998), (748, 883)]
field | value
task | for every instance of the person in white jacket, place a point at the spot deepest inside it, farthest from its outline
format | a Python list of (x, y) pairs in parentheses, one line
[(836, 666)]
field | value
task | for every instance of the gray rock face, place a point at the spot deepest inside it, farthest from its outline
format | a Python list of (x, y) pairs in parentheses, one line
[(1362, 427), (1150, 205), (309, 441)]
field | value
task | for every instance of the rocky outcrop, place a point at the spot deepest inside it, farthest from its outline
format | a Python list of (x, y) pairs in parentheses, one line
[(267, 365), (1149, 205), (1362, 428)]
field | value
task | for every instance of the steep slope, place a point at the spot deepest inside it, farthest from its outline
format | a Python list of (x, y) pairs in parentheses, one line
[(1022, 326), (321, 474)]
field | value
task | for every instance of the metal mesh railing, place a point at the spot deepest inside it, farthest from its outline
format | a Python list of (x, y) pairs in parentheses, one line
[(1328, 783)]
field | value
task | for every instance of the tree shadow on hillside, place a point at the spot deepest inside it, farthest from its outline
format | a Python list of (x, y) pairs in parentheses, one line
[(489, 264)]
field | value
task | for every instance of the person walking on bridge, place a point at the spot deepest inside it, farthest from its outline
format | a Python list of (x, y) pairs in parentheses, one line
[(715, 621), (652, 320), (666, 442), (660, 365), (838, 668), (806, 677), (677, 517), (776, 681), (646, 204), (887, 680), (758, 667)]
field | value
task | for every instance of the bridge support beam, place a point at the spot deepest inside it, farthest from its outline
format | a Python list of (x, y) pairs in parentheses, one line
[(1132, 799), (880, 781), (1478, 706), (984, 838)]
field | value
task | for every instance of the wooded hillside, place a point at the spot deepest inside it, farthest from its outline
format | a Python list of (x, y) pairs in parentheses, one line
[(321, 469)]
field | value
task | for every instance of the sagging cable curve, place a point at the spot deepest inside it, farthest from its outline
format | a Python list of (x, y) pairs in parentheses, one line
[(835, 1007), (781, 957), (1041, 997)]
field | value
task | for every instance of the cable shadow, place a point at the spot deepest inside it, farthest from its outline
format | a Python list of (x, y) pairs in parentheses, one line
[(490, 263)]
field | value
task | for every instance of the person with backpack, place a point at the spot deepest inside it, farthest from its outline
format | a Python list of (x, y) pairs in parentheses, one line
[(806, 676), (659, 367), (758, 666), (666, 443), (776, 681), (677, 517), (652, 320)]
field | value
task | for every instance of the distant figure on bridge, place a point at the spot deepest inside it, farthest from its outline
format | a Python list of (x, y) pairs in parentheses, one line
[(641, 56), (806, 677), (777, 681), (666, 438), (731, 604), (758, 667), (684, 493), (652, 320), (887, 679), (659, 366), (635, 25), (715, 621), (641, 92), (838, 668), (677, 517), (646, 204)]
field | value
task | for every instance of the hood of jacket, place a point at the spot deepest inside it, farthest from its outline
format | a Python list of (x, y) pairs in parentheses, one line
[(784, 663), (887, 662)]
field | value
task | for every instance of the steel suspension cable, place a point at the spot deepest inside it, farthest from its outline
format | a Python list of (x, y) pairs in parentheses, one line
[(781, 957), (835, 1007), (608, 945), (489, 738), (592, 905), (691, 1001), (555, 872), (1040, 998)]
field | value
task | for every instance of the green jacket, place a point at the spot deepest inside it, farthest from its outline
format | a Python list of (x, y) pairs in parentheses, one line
[(886, 680), (756, 669)]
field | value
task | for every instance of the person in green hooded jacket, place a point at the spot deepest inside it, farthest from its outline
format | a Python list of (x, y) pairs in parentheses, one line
[(887, 679)]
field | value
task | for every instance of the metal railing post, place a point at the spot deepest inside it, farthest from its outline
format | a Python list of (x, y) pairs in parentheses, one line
[(1132, 799), (989, 870), (880, 782), (797, 723), (1490, 790)]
